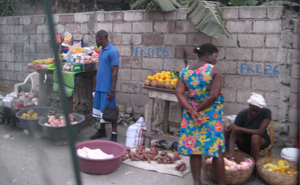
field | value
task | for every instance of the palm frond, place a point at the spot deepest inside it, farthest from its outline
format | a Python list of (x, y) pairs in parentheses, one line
[(207, 17)]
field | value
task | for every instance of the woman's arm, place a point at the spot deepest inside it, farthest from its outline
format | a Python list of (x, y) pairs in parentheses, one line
[(215, 90), (180, 93)]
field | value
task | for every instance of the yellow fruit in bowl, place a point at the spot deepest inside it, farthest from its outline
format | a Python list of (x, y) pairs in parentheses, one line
[(149, 77), (168, 73), (282, 163)]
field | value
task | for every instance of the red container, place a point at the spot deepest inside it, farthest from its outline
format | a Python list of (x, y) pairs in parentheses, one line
[(101, 166), (97, 51)]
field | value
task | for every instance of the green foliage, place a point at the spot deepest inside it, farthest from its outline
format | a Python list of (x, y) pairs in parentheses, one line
[(9, 7), (163, 5), (207, 17)]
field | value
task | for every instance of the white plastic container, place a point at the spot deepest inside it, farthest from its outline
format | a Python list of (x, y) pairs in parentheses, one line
[(290, 154)]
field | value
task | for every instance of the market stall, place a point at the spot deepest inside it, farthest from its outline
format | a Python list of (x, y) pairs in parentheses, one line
[(160, 86)]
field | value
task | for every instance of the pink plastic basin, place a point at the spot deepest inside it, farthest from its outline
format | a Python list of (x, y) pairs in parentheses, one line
[(101, 166)]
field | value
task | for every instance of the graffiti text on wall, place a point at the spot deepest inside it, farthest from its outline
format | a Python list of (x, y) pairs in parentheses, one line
[(151, 52), (259, 69)]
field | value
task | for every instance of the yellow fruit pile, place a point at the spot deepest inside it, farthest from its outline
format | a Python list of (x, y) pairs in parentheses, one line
[(162, 79), (281, 167), (44, 61), (77, 50)]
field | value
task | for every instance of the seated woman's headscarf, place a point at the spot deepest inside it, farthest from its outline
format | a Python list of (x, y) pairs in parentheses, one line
[(257, 100)]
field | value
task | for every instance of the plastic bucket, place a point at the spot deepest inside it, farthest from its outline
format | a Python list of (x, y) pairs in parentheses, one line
[(33, 124), (290, 154), (61, 132), (101, 166)]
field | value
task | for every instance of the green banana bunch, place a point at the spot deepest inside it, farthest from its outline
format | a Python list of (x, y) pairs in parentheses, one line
[(175, 74)]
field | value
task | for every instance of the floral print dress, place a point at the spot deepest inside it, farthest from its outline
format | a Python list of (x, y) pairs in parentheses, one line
[(209, 136)]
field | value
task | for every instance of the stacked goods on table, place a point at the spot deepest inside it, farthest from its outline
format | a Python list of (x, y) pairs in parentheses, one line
[(164, 79), (74, 56), (78, 58), (276, 171), (142, 154)]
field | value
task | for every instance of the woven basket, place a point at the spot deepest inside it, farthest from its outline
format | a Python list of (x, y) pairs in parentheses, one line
[(276, 178), (237, 177)]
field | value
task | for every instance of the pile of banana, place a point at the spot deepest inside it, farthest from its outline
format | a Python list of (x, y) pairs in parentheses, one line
[(44, 61)]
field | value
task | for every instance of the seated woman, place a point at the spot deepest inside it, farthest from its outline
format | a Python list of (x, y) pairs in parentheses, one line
[(249, 131)]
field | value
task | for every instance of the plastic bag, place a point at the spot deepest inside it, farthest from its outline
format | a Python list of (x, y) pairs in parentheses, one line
[(67, 40), (134, 135)]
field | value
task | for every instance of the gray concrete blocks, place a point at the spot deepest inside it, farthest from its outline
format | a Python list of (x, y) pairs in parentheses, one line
[(238, 54), (252, 12), (73, 28), (124, 74), (239, 26), (237, 82), (267, 26), (186, 27), (26, 20), (171, 64), (134, 15), (142, 27), (152, 63), (229, 94), (265, 84), (122, 27), (251, 40), (275, 12), (230, 12), (269, 55), (103, 26), (140, 74), (272, 40), (175, 39), (81, 17), (224, 41)]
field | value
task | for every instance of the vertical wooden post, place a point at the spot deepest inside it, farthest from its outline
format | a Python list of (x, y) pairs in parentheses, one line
[(42, 89), (166, 117), (148, 118)]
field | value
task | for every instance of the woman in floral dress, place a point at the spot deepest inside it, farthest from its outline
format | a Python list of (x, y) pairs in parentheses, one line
[(201, 130)]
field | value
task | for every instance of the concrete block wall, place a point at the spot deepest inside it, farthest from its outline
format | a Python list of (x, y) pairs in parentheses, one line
[(261, 55)]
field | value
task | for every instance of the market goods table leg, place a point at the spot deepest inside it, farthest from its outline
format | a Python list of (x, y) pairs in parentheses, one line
[(148, 118), (166, 117), (42, 90), (70, 101)]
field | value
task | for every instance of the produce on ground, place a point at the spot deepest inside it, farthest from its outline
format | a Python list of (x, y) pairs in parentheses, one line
[(281, 166), (164, 79), (58, 122), (30, 115), (181, 167), (141, 154), (233, 166), (93, 153)]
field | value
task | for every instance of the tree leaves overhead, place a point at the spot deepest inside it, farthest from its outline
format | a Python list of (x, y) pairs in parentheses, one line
[(207, 17), (163, 5)]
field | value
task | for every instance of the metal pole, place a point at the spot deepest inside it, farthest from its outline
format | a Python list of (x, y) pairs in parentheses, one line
[(299, 91), (63, 98)]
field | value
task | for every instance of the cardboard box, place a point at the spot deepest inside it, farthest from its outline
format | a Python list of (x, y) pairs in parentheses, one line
[(88, 67)]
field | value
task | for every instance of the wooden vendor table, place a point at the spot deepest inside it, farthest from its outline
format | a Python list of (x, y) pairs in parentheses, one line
[(164, 94), (43, 93)]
